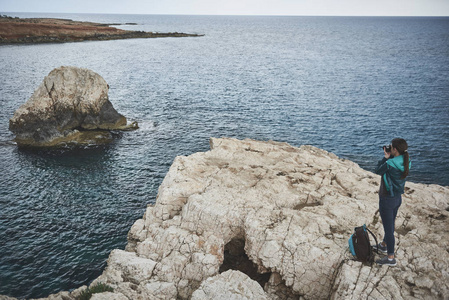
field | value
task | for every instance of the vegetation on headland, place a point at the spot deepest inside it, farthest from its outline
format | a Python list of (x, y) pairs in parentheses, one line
[(47, 30)]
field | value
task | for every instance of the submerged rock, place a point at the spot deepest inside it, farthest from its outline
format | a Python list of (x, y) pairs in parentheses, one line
[(271, 220), (69, 102)]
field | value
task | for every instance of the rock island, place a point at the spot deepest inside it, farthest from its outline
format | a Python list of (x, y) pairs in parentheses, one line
[(70, 107), (47, 30)]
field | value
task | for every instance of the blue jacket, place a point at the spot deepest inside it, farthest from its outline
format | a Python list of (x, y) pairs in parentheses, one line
[(391, 171)]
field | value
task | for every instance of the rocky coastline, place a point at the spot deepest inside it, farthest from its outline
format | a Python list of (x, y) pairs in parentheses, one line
[(266, 220), (48, 30)]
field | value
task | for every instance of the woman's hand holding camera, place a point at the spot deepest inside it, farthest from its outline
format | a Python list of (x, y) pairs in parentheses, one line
[(387, 151)]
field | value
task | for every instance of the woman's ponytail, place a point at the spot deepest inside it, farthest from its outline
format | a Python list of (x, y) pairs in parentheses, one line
[(401, 146)]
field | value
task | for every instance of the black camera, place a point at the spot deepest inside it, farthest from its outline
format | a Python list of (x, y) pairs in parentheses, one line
[(387, 148)]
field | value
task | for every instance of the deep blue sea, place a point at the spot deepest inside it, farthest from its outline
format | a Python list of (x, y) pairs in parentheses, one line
[(345, 84)]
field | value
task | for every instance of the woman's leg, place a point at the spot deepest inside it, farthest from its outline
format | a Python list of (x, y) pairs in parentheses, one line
[(387, 216), (388, 209), (398, 202)]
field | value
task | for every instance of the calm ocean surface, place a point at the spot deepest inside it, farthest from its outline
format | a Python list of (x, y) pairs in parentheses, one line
[(345, 84)]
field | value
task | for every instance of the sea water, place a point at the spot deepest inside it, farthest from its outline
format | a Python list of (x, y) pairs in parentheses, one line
[(345, 84)]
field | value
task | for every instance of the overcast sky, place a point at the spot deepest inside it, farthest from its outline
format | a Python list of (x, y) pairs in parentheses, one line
[(236, 7)]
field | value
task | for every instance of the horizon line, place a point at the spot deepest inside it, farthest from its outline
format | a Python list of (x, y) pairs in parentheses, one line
[(230, 15)]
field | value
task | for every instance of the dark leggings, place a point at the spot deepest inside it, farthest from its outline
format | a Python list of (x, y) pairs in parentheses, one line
[(388, 209)]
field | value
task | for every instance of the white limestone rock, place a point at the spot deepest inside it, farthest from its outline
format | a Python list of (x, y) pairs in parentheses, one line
[(230, 285), (108, 296), (126, 266), (281, 215), (293, 210)]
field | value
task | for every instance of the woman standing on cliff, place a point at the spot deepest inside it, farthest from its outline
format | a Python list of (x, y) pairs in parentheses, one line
[(393, 168)]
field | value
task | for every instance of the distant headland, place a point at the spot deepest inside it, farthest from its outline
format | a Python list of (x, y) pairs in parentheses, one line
[(14, 30)]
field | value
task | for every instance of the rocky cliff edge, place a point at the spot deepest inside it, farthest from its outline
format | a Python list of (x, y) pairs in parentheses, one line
[(265, 220)]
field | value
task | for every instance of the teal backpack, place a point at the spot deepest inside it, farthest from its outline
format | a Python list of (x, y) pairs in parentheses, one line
[(359, 244)]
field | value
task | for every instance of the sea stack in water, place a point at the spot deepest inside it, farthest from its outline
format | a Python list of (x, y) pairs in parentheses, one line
[(70, 106)]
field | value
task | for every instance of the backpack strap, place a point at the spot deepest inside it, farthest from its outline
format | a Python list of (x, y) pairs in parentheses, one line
[(377, 244)]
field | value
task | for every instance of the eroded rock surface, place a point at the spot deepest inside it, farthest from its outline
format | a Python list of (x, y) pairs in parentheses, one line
[(282, 216), (66, 107), (289, 211), (230, 285)]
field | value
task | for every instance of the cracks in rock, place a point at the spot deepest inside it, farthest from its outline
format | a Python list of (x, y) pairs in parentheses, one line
[(295, 181), (253, 150), (53, 97), (200, 214), (367, 282), (334, 276), (303, 205), (56, 110), (438, 216), (334, 178), (50, 90), (259, 178), (401, 290), (177, 211), (376, 285), (370, 280), (210, 179), (212, 141), (76, 108), (292, 254), (375, 218), (334, 229), (324, 177), (408, 190), (184, 199), (317, 202), (275, 219), (288, 230), (277, 289), (404, 229), (188, 262)]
